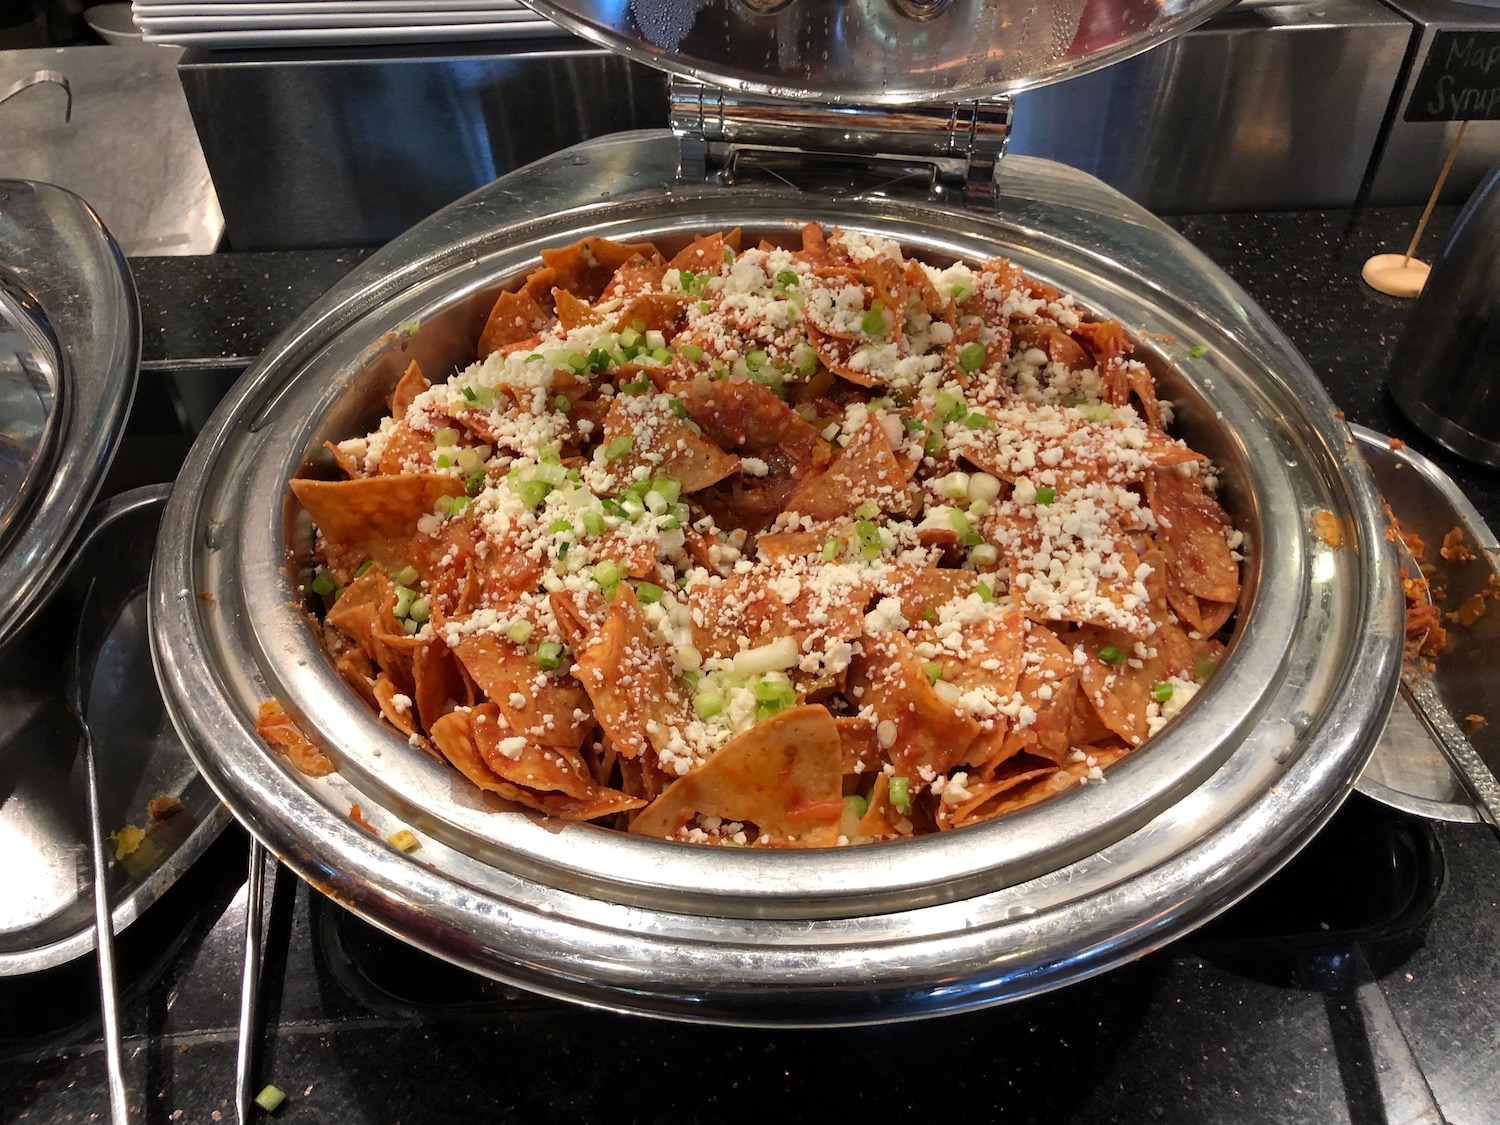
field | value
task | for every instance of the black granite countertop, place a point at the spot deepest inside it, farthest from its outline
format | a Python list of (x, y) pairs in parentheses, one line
[(1361, 985)]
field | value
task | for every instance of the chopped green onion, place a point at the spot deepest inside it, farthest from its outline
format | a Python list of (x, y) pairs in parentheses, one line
[(469, 394), (519, 631), (971, 356), (948, 408), (961, 293), (900, 791), (1046, 494), (618, 447), (934, 443), (707, 704), (405, 595), (786, 278), (407, 328), (409, 627), (636, 388), (607, 574), (562, 404), (674, 404), (533, 492), (420, 611), (912, 425), (633, 507), (830, 549), (934, 671), (755, 360), (474, 482), (857, 803), (691, 678), (321, 584), (406, 576), (1198, 351), (562, 548), (446, 436), (873, 322), (772, 696), (661, 355), (978, 421), (1097, 411), (557, 526), (533, 357), (867, 510), (1161, 692), (443, 505), (593, 522), (364, 566), (269, 1098), (703, 307), (1112, 655), (985, 593), (576, 360), (549, 455), (638, 325), (671, 523), (441, 460), (728, 256), (648, 593), (807, 361), (690, 351), (629, 338), (984, 554), (1203, 668), (869, 539), (549, 655)]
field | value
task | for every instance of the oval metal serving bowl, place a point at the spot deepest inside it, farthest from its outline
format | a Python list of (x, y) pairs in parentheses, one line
[(1056, 892)]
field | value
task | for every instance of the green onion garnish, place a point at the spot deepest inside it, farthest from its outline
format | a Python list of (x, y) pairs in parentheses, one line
[(900, 791), (636, 388), (593, 522), (1161, 692), (269, 1098), (406, 576), (978, 421), (807, 361), (786, 278), (419, 611), (558, 526), (1111, 655), (985, 593), (869, 539), (690, 351), (873, 322), (934, 671), (445, 437), (1203, 668), (607, 574), (549, 655), (562, 404), (322, 583), (364, 566), (618, 447), (1198, 351), (519, 631), (970, 356), (474, 482), (1046, 494), (405, 595), (674, 404), (707, 704), (533, 492), (648, 593), (830, 549), (934, 443)]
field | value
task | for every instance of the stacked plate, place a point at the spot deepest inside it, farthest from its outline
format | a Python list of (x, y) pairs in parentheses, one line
[(304, 23)]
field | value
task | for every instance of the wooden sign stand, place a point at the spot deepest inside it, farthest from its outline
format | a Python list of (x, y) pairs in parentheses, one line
[(1401, 275)]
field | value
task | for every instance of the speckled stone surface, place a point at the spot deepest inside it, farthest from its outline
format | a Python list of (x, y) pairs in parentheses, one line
[(1361, 985)]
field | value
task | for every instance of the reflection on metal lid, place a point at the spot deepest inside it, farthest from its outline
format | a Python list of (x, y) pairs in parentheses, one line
[(69, 347), (31, 398), (884, 51)]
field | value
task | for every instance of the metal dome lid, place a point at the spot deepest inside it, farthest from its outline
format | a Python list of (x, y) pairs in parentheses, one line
[(885, 52), (69, 351)]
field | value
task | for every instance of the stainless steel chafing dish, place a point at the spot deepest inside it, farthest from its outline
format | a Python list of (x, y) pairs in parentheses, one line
[(1057, 892)]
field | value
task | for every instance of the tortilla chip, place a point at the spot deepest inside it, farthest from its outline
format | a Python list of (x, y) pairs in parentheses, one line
[(664, 444), (372, 517), (283, 735), (408, 387), (889, 679), (782, 775), (515, 317), (865, 469)]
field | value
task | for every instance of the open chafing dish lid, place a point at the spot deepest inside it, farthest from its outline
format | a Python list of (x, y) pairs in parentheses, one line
[(69, 352), (886, 52)]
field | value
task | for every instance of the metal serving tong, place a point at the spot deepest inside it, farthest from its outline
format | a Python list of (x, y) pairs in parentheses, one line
[(1418, 689), (244, 1061), (95, 620)]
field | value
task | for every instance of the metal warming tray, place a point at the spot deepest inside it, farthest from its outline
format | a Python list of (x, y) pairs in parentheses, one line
[(992, 912)]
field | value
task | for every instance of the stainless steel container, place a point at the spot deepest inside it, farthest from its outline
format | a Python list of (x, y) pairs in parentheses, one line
[(1445, 374), (893, 931)]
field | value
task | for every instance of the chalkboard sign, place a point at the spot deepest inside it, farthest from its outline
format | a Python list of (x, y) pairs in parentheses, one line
[(1460, 79)]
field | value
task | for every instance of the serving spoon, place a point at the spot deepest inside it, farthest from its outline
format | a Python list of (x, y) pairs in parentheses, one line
[(95, 620), (1418, 689)]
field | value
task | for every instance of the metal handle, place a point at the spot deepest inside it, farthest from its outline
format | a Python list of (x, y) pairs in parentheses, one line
[(962, 142), (109, 996), (1476, 777), (55, 77), (244, 1062)]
